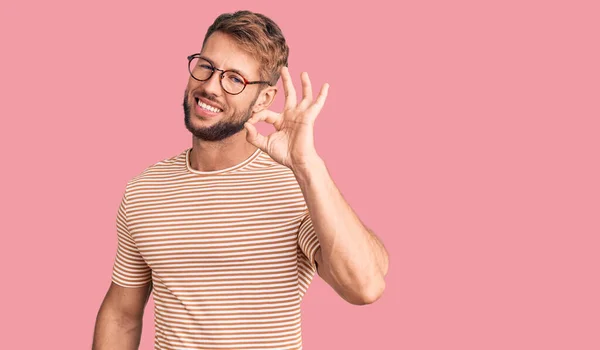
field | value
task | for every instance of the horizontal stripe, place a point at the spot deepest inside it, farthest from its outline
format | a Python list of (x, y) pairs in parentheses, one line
[(230, 253)]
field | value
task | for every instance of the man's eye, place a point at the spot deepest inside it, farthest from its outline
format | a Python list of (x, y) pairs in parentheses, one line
[(236, 79), (206, 66)]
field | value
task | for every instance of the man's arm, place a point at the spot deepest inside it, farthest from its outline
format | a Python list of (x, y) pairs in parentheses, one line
[(119, 320), (351, 259)]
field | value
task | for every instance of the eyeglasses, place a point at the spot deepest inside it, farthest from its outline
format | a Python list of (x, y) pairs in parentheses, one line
[(231, 81)]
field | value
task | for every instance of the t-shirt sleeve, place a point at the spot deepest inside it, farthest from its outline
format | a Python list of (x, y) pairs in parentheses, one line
[(129, 269), (307, 239)]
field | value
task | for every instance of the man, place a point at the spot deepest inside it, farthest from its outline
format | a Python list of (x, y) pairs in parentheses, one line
[(229, 233)]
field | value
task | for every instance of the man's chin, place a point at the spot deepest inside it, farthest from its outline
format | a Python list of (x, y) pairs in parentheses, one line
[(215, 132), (199, 122)]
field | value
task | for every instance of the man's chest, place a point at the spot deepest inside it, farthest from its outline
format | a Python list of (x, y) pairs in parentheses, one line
[(216, 227)]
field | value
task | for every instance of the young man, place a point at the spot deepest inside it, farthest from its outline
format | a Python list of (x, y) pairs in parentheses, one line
[(229, 233)]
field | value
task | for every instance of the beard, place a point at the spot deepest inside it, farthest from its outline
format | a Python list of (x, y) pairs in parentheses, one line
[(222, 129)]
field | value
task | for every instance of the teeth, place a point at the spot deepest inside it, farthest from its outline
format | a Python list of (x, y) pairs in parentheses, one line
[(207, 107)]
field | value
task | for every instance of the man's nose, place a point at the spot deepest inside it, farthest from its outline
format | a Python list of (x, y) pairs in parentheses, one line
[(213, 85)]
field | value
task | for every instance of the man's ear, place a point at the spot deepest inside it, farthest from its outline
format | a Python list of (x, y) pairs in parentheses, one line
[(265, 99)]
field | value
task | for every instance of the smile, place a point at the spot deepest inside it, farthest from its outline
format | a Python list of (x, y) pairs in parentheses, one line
[(208, 107)]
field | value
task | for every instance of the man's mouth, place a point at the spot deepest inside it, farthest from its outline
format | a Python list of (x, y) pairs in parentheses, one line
[(207, 107)]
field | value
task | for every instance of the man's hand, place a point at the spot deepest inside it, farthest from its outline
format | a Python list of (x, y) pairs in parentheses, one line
[(292, 144)]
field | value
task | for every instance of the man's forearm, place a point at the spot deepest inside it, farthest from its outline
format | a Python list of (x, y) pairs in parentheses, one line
[(114, 332), (354, 260)]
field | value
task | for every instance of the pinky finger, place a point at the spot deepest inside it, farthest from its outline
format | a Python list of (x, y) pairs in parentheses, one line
[(320, 101)]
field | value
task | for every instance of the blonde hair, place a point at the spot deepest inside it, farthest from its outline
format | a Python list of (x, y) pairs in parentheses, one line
[(259, 36)]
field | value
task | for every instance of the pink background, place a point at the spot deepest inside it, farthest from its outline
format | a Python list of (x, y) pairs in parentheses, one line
[(464, 133)]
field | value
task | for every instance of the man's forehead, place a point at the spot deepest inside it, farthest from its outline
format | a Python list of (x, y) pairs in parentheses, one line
[(224, 53)]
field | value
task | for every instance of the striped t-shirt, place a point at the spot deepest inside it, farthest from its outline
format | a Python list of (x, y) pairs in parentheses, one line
[(230, 252)]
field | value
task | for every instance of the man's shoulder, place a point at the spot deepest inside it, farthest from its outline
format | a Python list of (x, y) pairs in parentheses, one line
[(162, 168), (269, 165)]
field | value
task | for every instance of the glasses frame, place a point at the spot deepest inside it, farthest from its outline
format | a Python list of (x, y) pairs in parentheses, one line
[(213, 69)]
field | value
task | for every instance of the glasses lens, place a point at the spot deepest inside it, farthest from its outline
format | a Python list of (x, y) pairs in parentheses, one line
[(233, 82), (200, 68)]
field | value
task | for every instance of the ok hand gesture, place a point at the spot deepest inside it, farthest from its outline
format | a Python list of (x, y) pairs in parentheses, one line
[(292, 144)]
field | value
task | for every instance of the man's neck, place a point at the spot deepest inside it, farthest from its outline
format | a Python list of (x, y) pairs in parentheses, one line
[(219, 155)]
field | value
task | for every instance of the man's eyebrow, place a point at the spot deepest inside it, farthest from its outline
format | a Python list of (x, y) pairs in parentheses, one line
[(231, 70), (208, 59)]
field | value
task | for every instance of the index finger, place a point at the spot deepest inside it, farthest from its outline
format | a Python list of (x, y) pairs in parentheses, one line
[(268, 117)]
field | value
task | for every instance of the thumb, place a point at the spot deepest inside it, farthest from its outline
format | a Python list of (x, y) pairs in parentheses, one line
[(254, 137)]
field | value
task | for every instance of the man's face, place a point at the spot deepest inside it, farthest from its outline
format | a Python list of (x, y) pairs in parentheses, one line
[(232, 111)]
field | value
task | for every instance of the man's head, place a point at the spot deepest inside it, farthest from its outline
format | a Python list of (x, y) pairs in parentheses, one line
[(250, 44)]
